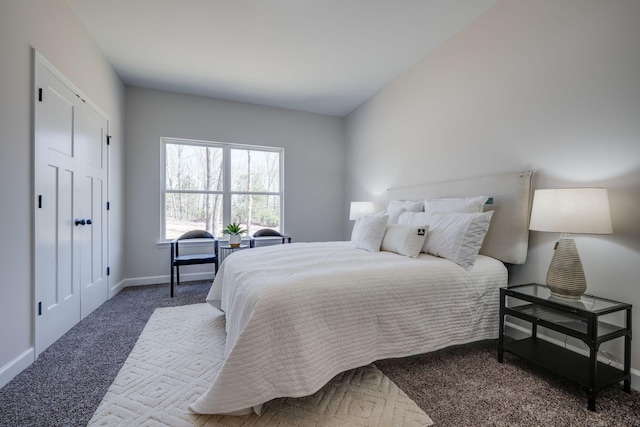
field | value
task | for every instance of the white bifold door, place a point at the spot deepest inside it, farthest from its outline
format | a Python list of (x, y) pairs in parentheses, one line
[(70, 176)]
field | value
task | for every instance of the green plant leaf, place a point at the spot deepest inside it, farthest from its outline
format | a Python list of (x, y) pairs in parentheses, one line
[(234, 228)]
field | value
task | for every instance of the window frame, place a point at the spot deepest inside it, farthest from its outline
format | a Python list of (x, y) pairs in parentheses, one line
[(226, 192)]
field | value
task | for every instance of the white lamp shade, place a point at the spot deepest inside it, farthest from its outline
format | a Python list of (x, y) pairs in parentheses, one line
[(360, 209), (571, 210)]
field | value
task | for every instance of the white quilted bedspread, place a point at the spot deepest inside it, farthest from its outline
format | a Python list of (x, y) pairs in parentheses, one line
[(299, 314)]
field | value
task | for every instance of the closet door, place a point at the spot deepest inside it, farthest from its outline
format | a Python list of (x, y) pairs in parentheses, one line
[(91, 197), (70, 227)]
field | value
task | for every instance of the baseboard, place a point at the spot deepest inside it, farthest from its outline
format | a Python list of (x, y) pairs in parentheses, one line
[(17, 365), (116, 288), (519, 332), (156, 280)]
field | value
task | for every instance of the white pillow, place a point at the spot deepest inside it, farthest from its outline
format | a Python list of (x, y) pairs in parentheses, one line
[(456, 204), (368, 232), (404, 239), (454, 236), (396, 207)]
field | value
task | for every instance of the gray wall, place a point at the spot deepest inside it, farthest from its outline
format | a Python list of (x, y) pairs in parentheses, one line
[(547, 85), (313, 166), (51, 28)]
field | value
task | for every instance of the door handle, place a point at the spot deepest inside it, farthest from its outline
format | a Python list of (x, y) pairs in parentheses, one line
[(80, 222)]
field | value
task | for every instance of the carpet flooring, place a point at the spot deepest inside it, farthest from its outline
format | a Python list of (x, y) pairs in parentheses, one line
[(65, 385), (466, 386), (460, 386)]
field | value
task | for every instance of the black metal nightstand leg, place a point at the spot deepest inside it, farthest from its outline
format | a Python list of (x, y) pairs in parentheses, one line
[(593, 372), (627, 354), (501, 329), (592, 399)]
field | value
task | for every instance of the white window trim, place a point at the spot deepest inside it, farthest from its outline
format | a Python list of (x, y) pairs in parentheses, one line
[(226, 192)]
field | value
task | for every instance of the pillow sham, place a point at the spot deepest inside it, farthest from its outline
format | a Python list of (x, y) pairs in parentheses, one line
[(405, 240), (396, 207), (456, 204), (368, 232), (454, 236)]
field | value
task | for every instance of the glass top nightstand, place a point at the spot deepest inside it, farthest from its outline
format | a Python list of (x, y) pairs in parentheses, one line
[(581, 318), (586, 302)]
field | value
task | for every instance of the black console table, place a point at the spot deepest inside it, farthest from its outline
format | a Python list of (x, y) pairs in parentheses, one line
[(580, 318)]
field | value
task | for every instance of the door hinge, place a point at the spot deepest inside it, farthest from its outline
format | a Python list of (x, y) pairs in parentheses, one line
[(40, 94), (108, 271), (108, 139), (40, 308), (40, 201), (108, 205)]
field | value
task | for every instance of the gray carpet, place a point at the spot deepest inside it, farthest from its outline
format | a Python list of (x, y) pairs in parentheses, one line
[(67, 382), (463, 386), (466, 386)]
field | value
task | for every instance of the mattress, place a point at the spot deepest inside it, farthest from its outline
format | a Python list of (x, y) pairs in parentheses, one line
[(299, 314)]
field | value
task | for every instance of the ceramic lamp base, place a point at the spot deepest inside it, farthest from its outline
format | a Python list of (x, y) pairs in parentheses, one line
[(565, 277)]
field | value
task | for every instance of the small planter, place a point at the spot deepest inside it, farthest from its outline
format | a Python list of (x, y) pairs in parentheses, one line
[(235, 240), (235, 234)]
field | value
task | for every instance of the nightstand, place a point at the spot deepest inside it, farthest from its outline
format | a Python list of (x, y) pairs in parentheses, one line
[(586, 319)]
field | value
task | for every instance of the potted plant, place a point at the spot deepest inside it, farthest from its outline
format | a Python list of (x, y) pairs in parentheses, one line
[(234, 231)]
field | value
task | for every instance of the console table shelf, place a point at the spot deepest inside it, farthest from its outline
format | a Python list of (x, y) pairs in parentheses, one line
[(566, 363)]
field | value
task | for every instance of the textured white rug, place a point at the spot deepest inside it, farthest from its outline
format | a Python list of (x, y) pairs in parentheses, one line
[(177, 355)]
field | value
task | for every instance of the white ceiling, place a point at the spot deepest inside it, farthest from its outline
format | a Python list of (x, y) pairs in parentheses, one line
[(322, 56)]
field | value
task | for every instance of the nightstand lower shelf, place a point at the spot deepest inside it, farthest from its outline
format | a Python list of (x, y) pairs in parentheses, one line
[(566, 363)]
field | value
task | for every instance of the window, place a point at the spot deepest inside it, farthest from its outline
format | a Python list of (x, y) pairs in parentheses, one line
[(208, 185)]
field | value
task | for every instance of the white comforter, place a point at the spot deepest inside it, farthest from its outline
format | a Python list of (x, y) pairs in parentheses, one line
[(299, 314)]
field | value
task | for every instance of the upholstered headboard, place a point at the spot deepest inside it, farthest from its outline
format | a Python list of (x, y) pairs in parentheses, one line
[(508, 236)]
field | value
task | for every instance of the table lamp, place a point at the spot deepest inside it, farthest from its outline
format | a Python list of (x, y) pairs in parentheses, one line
[(360, 209), (569, 210)]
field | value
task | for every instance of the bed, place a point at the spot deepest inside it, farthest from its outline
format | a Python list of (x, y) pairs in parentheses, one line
[(299, 314)]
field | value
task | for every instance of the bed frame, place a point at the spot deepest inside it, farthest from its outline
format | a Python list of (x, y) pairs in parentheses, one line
[(508, 236)]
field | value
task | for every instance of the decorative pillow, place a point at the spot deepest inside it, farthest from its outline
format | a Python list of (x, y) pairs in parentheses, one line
[(396, 207), (454, 236), (404, 239), (368, 232), (456, 204)]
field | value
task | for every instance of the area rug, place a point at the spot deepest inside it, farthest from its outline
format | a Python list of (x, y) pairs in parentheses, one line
[(180, 351)]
